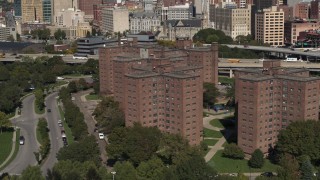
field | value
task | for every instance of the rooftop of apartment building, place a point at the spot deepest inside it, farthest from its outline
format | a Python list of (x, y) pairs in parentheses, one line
[(272, 70)]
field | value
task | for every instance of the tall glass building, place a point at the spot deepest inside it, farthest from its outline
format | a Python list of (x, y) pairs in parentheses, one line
[(47, 11), (17, 7)]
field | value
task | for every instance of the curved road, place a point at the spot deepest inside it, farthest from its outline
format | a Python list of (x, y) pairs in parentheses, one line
[(27, 123), (54, 132)]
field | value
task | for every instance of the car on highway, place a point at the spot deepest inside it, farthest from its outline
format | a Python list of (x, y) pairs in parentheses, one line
[(48, 110), (21, 140), (101, 136), (60, 123)]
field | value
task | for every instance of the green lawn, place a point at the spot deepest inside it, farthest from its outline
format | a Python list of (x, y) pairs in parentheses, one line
[(212, 133), (66, 127), (227, 165), (6, 145), (92, 97), (210, 142), (15, 151), (225, 80), (216, 123)]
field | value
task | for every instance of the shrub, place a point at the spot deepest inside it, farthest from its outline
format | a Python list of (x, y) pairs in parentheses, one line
[(256, 160), (233, 151)]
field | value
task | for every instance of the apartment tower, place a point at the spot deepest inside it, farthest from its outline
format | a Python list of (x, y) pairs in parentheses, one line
[(269, 99), (160, 87)]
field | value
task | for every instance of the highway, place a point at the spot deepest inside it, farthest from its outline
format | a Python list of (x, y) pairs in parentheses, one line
[(27, 123), (273, 49), (54, 132), (255, 63)]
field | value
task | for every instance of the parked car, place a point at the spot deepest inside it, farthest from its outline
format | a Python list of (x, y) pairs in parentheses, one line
[(48, 110), (267, 174), (65, 143), (21, 140), (60, 123), (101, 136)]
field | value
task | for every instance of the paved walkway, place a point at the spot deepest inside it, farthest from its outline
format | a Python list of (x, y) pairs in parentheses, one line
[(221, 141)]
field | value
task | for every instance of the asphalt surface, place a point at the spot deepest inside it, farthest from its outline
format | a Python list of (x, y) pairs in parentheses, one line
[(54, 132), (27, 123)]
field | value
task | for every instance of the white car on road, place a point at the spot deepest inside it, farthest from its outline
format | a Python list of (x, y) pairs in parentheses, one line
[(101, 136)]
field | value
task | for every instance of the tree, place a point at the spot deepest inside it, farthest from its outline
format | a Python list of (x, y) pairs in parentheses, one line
[(32, 172), (306, 169), (4, 121), (141, 143), (125, 170), (82, 151), (216, 35), (72, 86), (108, 115), (151, 169), (256, 160), (194, 167), (39, 102), (300, 138), (289, 167), (210, 94), (233, 151), (212, 38), (59, 34)]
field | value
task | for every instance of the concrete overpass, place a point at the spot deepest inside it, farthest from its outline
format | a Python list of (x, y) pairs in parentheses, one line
[(66, 58), (228, 68), (278, 50)]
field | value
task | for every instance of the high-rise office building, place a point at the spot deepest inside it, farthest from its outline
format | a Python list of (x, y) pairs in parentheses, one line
[(87, 6), (315, 10), (270, 26), (159, 87), (59, 5), (232, 21), (17, 7), (115, 20), (47, 11), (269, 99), (31, 11)]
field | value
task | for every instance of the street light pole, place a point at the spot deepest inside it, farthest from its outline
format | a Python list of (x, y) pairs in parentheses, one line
[(113, 174)]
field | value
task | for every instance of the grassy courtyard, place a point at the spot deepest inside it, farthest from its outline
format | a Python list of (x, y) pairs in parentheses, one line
[(227, 165), (216, 123), (92, 97), (6, 145), (212, 133), (210, 142)]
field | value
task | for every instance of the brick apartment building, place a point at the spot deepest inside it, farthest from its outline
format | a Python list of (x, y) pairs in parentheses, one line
[(269, 100), (160, 87)]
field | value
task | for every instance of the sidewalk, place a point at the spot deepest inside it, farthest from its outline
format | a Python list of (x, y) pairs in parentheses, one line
[(221, 141)]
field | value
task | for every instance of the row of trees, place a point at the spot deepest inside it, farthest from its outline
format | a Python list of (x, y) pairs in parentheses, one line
[(43, 130), (18, 77), (40, 97), (146, 153), (73, 117)]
